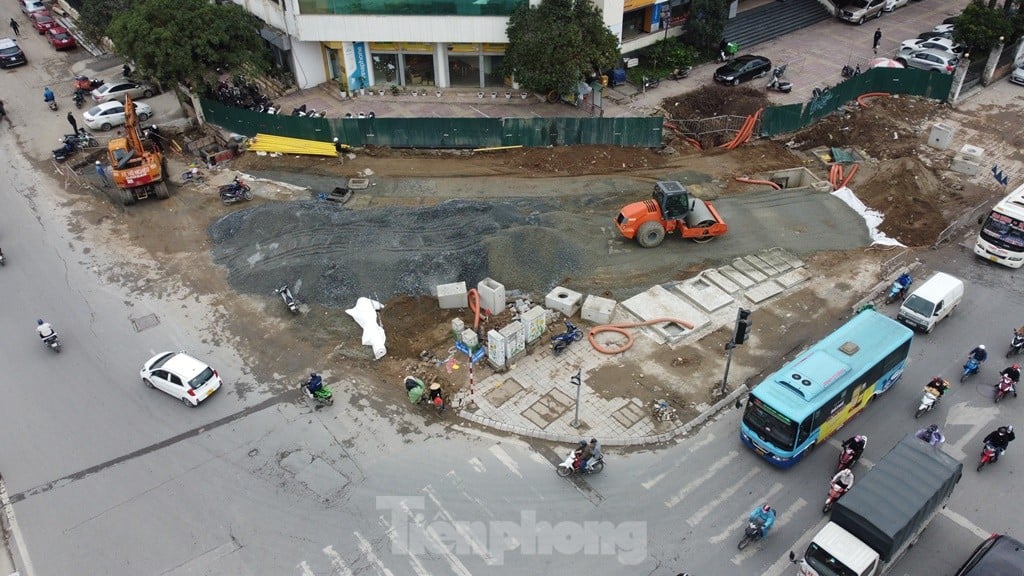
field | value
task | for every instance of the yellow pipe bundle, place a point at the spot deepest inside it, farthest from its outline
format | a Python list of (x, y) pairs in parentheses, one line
[(271, 143)]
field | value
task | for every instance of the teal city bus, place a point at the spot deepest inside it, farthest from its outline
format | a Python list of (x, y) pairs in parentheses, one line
[(807, 400)]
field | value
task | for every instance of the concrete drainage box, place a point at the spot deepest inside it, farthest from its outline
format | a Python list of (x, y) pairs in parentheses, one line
[(563, 300)]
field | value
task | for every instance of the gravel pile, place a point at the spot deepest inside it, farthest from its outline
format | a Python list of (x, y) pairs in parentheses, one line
[(332, 256)]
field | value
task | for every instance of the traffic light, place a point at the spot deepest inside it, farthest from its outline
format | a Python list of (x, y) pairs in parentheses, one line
[(742, 330), (575, 380)]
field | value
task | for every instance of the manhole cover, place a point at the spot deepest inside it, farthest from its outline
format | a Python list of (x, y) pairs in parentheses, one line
[(147, 321)]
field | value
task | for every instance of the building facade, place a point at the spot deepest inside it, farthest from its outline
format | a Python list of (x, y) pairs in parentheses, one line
[(359, 44)]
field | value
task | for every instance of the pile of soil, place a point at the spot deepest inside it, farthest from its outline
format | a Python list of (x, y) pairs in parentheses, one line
[(715, 100), (910, 196)]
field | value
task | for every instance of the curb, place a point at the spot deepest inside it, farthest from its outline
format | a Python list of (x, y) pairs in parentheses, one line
[(682, 429), (11, 554)]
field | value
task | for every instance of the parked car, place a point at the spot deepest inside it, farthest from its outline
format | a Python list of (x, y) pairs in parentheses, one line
[(181, 376), (1017, 77), (931, 60), (106, 115), (891, 5), (42, 21), (938, 43), (30, 6), (11, 54), (60, 38), (743, 68), (860, 10), (999, 554), (944, 29), (118, 90)]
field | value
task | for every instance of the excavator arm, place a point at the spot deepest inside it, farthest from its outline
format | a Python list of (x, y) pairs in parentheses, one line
[(131, 127)]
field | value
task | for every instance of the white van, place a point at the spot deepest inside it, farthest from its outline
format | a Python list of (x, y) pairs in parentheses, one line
[(931, 302)]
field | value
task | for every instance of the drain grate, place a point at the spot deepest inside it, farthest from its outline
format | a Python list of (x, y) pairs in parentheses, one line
[(147, 321)]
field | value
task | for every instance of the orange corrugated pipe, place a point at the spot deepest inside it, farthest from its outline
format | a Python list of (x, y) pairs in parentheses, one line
[(870, 95), (752, 181), (473, 297), (732, 143), (850, 176), (694, 143)]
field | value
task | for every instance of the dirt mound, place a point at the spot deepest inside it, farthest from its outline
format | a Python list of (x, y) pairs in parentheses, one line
[(908, 193), (888, 128), (558, 160), (715, 100)]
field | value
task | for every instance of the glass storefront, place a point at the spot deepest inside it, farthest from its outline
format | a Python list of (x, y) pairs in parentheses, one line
[(492, 71), (385, 69), (419, 69), (464, 70), (633, 23)]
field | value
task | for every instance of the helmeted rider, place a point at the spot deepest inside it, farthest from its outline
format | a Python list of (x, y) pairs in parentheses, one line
[(48, 95), (844, 478), (315, 383), (44, 329), (904, 281), (931, 435), (938, 384), (1013, 373), (766, 516), (595, 454), (1000, 438), (581, 453), (857, 444), (979, 353)]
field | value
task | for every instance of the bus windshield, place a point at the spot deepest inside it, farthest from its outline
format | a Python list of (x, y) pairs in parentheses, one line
[(1004, 231), (770, 425), (824, 564)]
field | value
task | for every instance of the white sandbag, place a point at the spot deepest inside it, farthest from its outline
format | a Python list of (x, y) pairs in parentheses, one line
[(365, 314)]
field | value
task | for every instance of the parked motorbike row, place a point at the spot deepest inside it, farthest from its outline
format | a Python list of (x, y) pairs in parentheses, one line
[(240, 93), (236, 191), (73, 143)]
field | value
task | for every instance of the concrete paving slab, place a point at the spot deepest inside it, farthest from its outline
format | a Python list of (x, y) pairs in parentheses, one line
[(503, 391), (777, 262), (793, 277), (658, 302), (761, 266), (547, 408), (763, 291), (748, 270), (720, 280), (628, 415), (705, 294), (736, 276), (790, 259)]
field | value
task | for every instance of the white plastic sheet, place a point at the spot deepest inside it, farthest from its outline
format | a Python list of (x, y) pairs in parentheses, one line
[(365, 314), (872, 218)]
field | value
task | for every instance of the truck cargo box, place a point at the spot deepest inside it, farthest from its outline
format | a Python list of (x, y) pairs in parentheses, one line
[(887, 507)]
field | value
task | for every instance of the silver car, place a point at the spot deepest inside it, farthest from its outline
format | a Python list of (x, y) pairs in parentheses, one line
[(931, 60), (1018, 75), (860, 10)]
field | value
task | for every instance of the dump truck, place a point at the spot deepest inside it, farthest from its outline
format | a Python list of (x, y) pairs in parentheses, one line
[(874, 523), (670, 209), (138, 168)]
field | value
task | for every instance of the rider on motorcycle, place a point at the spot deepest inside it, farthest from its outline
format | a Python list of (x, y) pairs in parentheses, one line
[(48, 95), (314, 383), (843, 478), (1013, 373), (44, 329), (938, 385), (1000, 438), (979, 354), (857, 444), (766, 516), (931, 435), (581, 453), (595, 454)]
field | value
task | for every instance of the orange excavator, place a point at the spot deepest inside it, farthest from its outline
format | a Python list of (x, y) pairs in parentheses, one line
[(670, 209), (138, 167)]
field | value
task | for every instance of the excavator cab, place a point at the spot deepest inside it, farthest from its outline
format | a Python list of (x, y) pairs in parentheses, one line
[(138, 170)]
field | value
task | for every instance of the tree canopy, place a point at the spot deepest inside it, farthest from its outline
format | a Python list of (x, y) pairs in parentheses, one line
[(555, 44), (705, 25), (180, 40)]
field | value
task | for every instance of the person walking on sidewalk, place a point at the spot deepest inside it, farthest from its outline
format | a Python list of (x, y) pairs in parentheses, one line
[(877, 40), (15, 28), (73, 122)]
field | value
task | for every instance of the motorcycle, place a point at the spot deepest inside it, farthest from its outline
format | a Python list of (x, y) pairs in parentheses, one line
[(3, 259), (651, 83), (680, 73), (819, 92), (568, 468), (52, 104), (835, 492), (899, 288), (562, 341), (989, 454), (777, 83), (1016, 344), (847, 458), (1005, 386), (86, 84), (970, 368), (928, 401), (192, 176), (753, 532), (67, 150), (52, 342), (78, 98), (289, 301), (82, 139), (850, 72), (236, 191), (323, 396)]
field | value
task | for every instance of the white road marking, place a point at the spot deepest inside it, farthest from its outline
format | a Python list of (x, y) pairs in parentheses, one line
[(367, 549), (712, 470), (336, 561), (965, 523), (783, 565), (457, 483), (453, 561), (19, 539), (306, 570), (724, 495), (477, 464), (741, 522), (704, 441), (648, 484), (975, 417), (538, 458), (417, 566), (783, 519), (460, 527), (505, 459)]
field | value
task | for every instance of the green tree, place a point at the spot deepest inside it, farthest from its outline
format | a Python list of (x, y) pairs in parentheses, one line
[(96, 15), (706, 24), (555, 44), (979, 27), (176, 41)]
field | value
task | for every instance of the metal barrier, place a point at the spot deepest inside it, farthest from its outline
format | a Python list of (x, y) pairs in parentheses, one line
[(888, 267), (969, 216)]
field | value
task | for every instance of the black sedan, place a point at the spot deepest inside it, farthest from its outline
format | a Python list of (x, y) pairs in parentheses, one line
[(743, 68)]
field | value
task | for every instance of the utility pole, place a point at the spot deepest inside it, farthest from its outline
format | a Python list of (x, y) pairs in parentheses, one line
[(575, 380), (740, 334)]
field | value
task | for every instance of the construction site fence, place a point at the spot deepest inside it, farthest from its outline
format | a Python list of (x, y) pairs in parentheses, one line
[(640, 132), (783, 119)]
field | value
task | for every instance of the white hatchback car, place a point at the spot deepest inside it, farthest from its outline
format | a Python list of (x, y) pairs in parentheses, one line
[(181, 376), (109, 114), (891, 5), (908, 47)]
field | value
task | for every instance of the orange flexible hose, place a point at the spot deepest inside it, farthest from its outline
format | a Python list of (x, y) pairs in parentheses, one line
[(850, 176), (870, 95), (474, 304), (753, 181), (621, 329), (694, 143), (735, 141)]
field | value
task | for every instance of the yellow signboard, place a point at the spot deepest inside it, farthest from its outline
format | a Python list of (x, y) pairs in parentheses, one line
[(495, 48), (630, 5), (384, 46), (472, 48), (417, 47)]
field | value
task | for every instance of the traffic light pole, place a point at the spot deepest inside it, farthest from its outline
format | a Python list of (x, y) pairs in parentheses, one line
[(730, 346), (577, 381), (739, 336)]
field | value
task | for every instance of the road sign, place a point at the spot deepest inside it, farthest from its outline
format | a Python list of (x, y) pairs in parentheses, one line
[(461, 347), (478, 355)]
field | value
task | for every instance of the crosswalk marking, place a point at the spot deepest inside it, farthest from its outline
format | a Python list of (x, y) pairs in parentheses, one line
[(707, 439), (397, 544), (712, 470), (741, 522), (505, 459), (477, 464), (453, 561), (724, 495), (965, 523), (336, 562), (367, 549), (977, 417), (783, 565), (460, 527), (306, 570)]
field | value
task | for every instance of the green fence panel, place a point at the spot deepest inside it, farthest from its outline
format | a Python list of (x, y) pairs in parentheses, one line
[(782, 119)]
